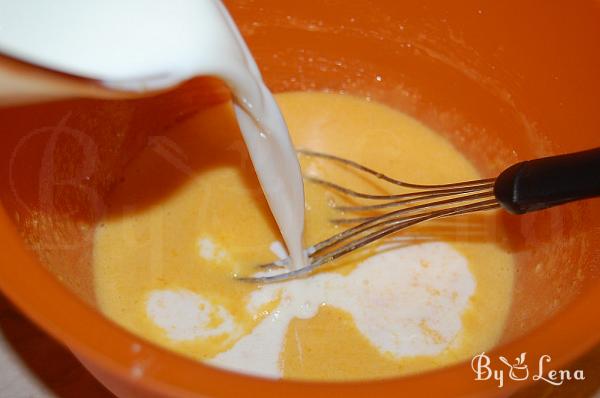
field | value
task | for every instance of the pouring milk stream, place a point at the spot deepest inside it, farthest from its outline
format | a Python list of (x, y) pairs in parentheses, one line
[(138, 46)]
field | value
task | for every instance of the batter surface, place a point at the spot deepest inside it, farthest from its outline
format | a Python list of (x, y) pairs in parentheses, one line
[(189, 214)]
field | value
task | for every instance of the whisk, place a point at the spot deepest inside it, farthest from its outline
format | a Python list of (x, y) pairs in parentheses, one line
[(524, 187)]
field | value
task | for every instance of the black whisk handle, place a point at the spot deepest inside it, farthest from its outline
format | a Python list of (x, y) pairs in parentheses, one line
[(546, 182)]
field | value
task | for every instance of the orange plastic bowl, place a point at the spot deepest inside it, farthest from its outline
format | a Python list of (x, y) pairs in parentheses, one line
[(505, 81)]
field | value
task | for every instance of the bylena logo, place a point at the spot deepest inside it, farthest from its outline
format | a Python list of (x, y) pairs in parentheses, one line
[(519, 370)]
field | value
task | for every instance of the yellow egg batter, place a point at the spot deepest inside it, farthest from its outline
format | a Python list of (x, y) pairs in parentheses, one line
[(189, 214)]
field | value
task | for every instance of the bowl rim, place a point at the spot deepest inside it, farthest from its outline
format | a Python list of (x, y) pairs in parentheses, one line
[(66, 317)]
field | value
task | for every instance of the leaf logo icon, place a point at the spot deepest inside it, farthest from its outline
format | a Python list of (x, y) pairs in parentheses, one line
[(519, 370)]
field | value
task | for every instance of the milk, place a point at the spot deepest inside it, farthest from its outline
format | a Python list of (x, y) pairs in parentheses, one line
[(402, 307), (139, 46)]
